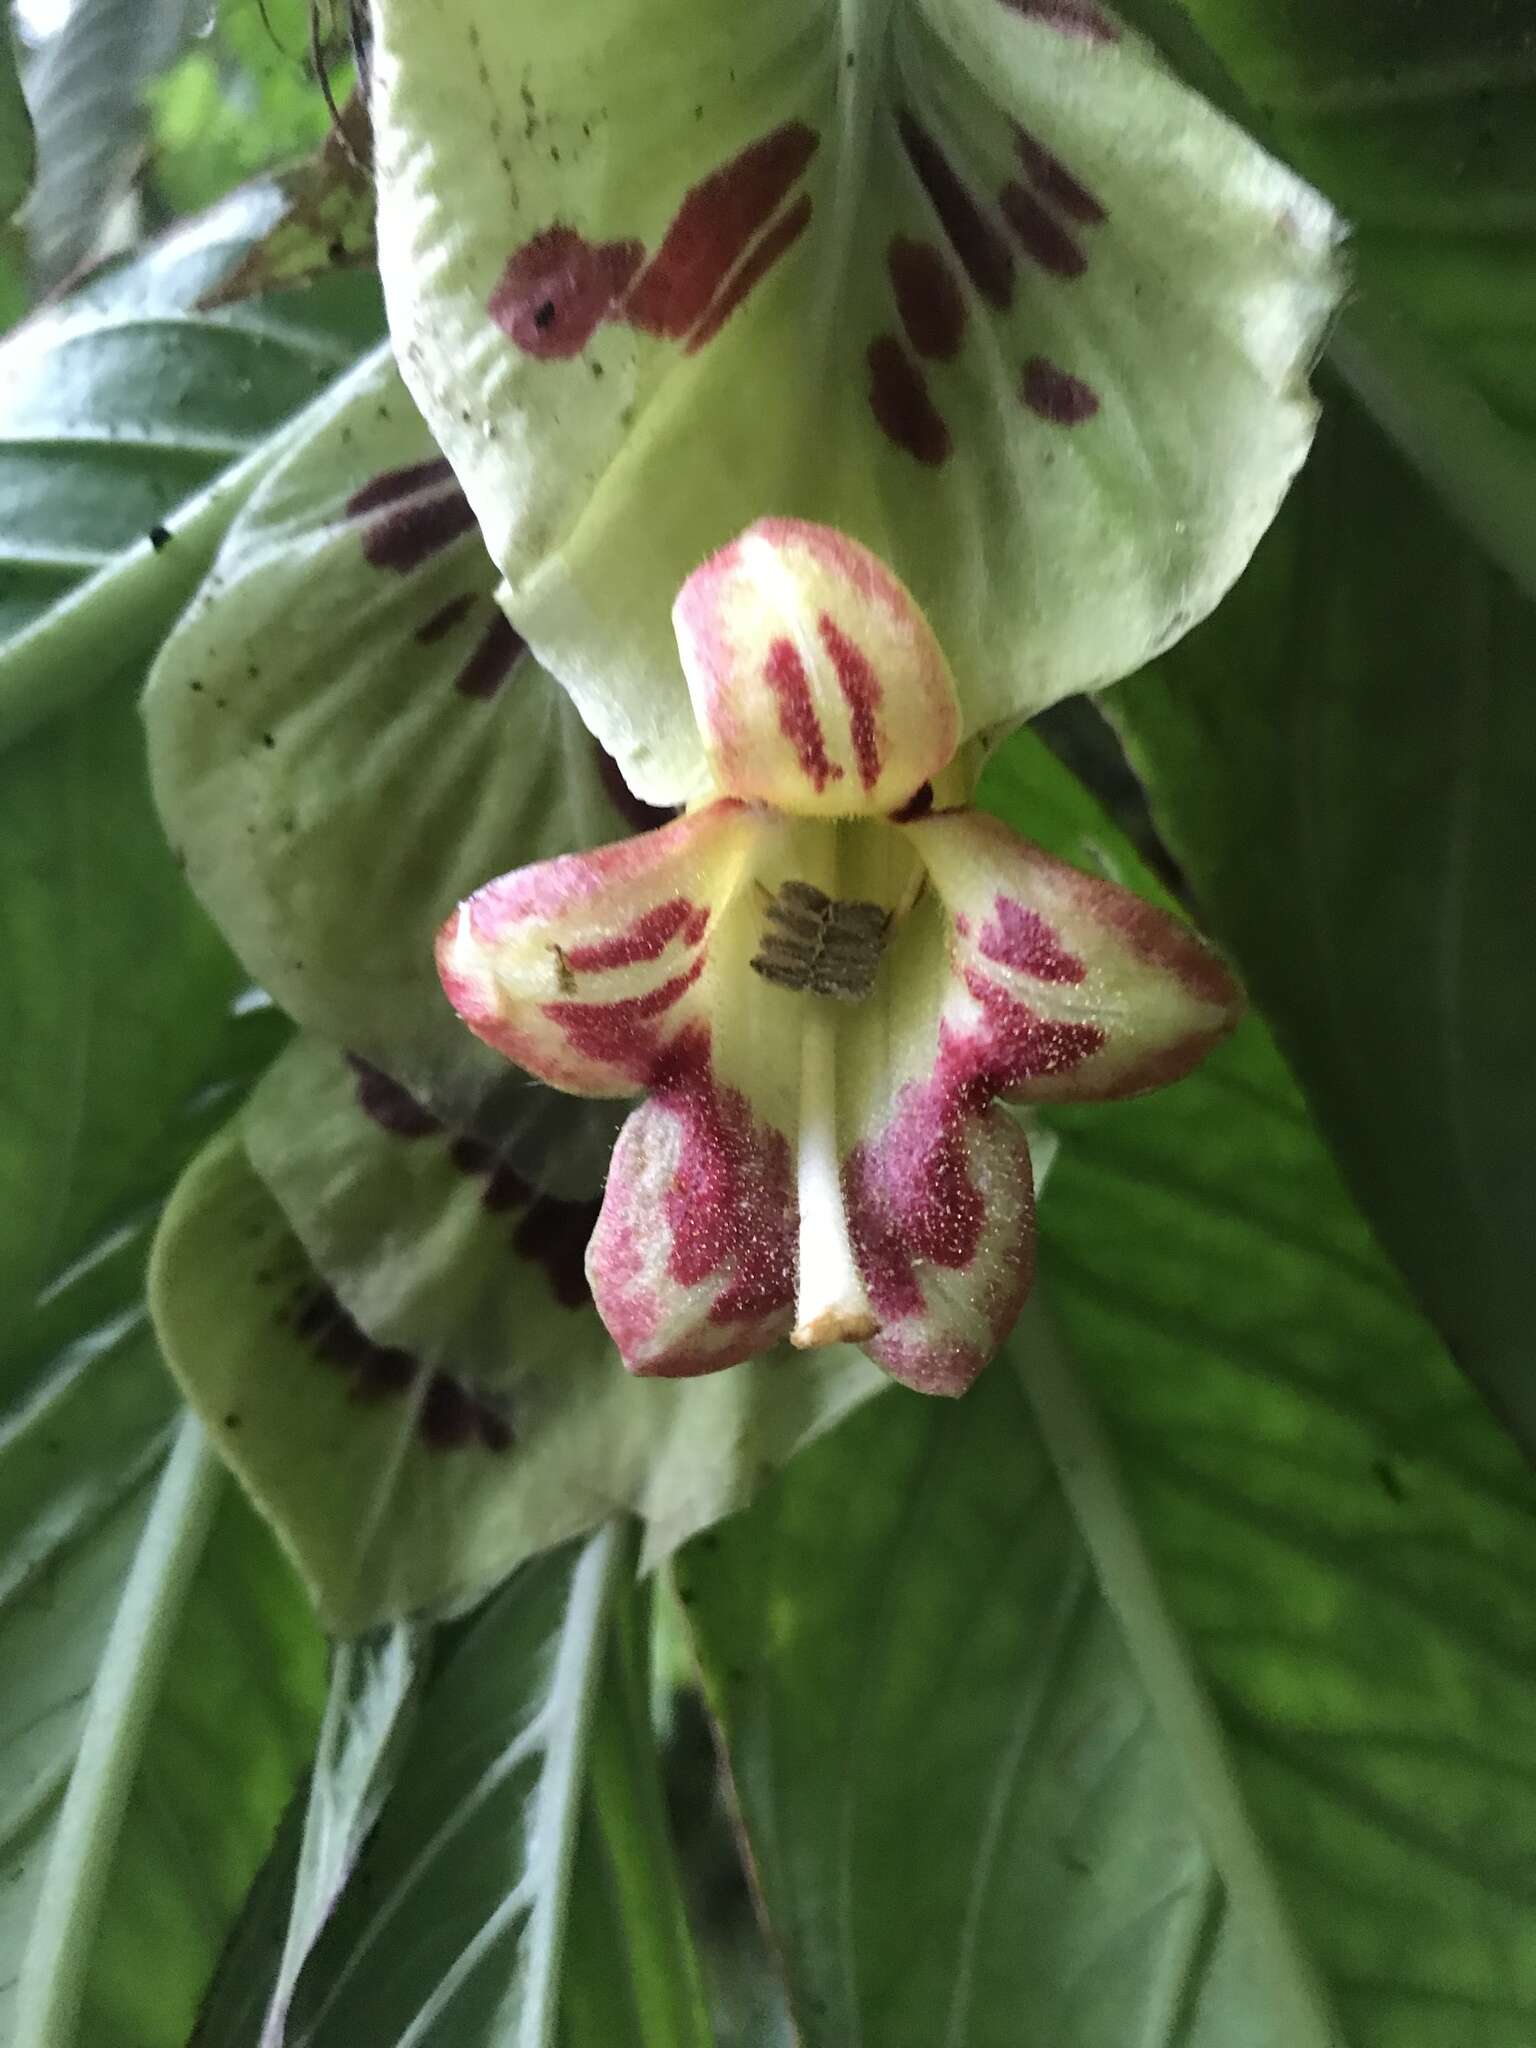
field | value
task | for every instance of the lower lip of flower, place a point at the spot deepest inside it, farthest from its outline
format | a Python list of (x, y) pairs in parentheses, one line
[(826, 920)]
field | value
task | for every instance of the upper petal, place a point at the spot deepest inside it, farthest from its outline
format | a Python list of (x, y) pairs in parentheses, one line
[(585, 969), (1066, 987), (816, 681)]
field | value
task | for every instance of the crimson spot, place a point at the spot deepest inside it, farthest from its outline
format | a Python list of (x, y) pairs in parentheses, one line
[(898, 397), (1056, 395), (558, 288), (976, 240), (927, 298)]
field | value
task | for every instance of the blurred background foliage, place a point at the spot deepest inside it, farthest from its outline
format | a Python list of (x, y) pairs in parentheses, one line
[(150, 110)]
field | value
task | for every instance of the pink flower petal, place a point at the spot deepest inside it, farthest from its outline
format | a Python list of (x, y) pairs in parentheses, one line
[(816, 680), (941, 1209), (586, 969), (692, 1263), (1067, 988)]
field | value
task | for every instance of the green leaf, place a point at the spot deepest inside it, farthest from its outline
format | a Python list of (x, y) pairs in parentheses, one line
[(18, 151), (1344, 1533), (347, 736), (979, 283), (123, 1049), (117, 1052), (1356, 819), (942, 1740), (388, 1333), (88, 89), (131, 426), (174, 1793), (1322, 1557), (454, 1932), (631, 1971), (79, 1447), (246, 98), (375, 1687), (119, 1059), (1420, 123), (233, 2009)]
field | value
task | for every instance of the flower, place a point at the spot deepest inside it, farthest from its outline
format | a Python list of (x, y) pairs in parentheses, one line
[(822, 977)]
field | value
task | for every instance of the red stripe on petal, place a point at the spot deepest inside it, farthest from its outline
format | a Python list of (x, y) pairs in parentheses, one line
[(864, 573), (1016, 936), (910, 1196), (731, 1207), (930, 1362), (553, 888), (983, 251), (1018, 1045), (1039, 234), (710, 230), (1162, 941), (646, 939), (619, 1033), (784, 673), (784, 233), (1050, 176), (729, 1214), (926, 1193), (861, 693), (902, 405)]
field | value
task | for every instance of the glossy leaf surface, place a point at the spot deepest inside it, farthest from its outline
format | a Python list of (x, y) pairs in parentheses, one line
[(1356, 820), (1320, 1554)]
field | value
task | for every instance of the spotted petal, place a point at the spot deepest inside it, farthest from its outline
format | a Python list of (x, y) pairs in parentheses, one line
[(586, 970), (1067, 988), (942, 1214), (692, 1263), (385, 1330), (346, 735), (1014, 976), (976, 281)]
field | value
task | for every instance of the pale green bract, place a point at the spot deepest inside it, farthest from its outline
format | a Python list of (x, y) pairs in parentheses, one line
[(346, 736), (387, 1335), (975, 280)]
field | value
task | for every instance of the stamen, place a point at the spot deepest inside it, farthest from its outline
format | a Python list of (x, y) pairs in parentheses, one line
[(817, 944)]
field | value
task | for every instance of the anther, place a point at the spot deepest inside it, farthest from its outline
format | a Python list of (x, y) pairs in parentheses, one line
[(820, 945)]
